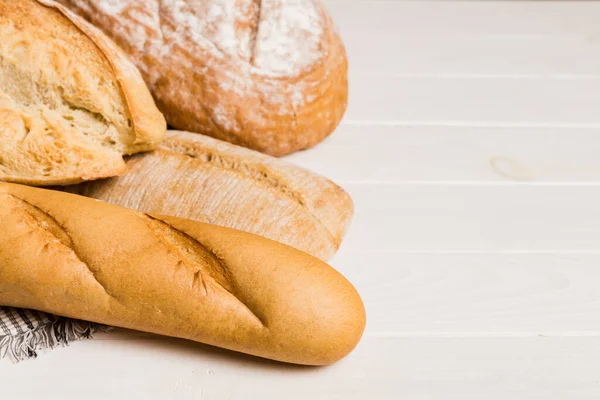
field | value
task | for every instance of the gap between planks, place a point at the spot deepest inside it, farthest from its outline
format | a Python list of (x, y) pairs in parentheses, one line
[(470, 124), (508, 76), (122, 335), (469, 183)]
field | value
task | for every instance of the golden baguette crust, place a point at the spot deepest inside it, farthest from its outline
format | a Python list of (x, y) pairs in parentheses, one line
[(270, 75), (204, 179), (86, 259), (71, 103)]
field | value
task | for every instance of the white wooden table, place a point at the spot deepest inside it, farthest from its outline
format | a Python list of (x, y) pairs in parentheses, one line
[(472, 150)]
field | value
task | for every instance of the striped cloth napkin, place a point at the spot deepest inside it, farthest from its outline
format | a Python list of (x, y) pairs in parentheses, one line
[(25, 332)]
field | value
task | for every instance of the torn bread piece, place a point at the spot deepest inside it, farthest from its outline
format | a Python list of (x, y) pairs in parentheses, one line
[(71, 103)]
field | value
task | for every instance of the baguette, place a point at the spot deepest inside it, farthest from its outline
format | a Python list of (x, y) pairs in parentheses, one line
[(82, 258), (268, 75), (204, 179), (71, 103)]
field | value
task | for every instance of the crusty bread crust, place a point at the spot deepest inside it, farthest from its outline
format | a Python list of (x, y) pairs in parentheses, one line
[(204, 179), (71, 103), (207, 64), (148, 123), (83, 258)]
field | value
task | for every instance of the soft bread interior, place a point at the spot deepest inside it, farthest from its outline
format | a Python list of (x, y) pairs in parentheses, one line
[(63, 115)]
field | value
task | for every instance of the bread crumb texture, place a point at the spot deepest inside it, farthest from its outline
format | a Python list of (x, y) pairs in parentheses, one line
[(63, 113)]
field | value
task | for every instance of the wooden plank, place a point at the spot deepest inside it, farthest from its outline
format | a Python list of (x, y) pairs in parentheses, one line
[(370, 53), (475, 101), (476, 17), (423, 218), (476, 294), (413, 154), (489, 38), (382, 368)]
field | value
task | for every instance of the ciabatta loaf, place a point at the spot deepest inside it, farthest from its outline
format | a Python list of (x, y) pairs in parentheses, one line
[(83, 258), (270, 75), (71, 103), (204, 179)]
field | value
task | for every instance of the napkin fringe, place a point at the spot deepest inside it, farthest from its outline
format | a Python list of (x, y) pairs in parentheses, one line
[(57, 333)]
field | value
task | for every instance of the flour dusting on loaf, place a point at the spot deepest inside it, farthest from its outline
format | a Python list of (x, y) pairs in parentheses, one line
[(276, 38), (225, 24), (289, 36), (113, 6), (267, 74), (249, 191)]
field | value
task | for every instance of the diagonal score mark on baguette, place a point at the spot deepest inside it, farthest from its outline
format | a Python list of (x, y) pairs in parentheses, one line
[(189, 250), (235, 164), (47, 223)]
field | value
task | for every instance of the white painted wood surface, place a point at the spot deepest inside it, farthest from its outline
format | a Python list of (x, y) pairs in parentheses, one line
[(456, 155), (472, 150)]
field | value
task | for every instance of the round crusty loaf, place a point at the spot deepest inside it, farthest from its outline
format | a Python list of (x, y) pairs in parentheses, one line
[(266, 74), (86, 259), (71, 102)]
